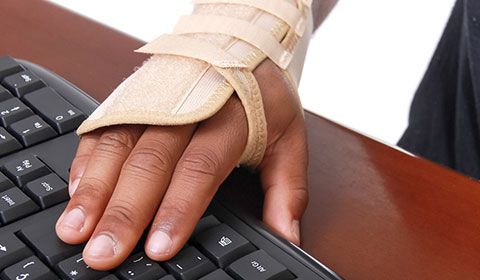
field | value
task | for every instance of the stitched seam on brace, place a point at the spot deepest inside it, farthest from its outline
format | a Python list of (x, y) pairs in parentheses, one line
[(193, 48), (249, 93), (281, 9), (240, 29), (218, 99)]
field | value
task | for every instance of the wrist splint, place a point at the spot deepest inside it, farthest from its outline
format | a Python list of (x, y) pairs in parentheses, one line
[(210, 55)]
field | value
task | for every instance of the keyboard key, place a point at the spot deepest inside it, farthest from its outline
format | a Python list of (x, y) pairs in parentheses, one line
[(260, 266), (25, 169), (189, 264), (140, 267), (12, 250), (13, 110), (8, 144), (47, 190), (5, 183), (29, 269), (55, 110), (112, 277), (8, 66), (44, 241), (22, 83), (32, 130), (75, 268), (205, 223), (14, 204), (217, 275), (4, 94), (168, 277), (223, 245)]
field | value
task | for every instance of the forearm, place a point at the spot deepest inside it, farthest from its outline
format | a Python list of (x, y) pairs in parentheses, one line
[(321, 9)]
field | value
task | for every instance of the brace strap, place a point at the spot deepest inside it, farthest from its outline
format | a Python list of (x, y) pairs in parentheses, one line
[(194, 71), (193, 48), (281, 9), (245, 31)]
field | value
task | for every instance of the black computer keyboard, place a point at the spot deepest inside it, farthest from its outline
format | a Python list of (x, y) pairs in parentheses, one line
[(39, 112)]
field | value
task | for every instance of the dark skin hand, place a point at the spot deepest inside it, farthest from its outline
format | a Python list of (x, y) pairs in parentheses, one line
[(123, 177)]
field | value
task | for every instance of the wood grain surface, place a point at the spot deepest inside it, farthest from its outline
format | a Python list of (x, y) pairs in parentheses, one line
[(374, 213)]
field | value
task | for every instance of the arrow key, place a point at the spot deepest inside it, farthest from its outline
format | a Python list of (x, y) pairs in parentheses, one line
[(12, 250)]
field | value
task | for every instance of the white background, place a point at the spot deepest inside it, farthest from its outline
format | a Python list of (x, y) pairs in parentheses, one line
[(364, 64)]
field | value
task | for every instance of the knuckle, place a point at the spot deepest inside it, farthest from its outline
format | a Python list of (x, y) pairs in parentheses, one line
[(298, 197), (175, 210), (200, 163), (78, 166), (125, 214), (300, 194), (147, 162), (116, 141), (92, 189)]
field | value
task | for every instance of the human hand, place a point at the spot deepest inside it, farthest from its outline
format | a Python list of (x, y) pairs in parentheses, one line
[(123, 177)]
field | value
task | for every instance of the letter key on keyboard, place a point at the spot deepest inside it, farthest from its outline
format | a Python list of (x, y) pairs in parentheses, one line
[(47, 190), (25, 169), (14, 204), (8, 66), (56, 110), (8, 143), (13, 110), (4, 94), (32, 130), (5, 183), (22, 83)]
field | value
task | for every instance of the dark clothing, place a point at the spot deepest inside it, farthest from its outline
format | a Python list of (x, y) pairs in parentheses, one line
[(444, 124)]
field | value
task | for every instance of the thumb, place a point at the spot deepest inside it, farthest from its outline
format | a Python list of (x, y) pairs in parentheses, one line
[(284, 180)]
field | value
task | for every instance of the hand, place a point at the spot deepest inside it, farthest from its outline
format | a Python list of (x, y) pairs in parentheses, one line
[(124, 176)]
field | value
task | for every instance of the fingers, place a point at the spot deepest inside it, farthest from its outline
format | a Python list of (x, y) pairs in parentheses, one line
[(284, 179), (79, 164), (143, 180), (213, 152), (86, 206)]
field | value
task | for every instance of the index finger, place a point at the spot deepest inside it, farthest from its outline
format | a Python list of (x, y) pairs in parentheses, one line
[(79, 164)]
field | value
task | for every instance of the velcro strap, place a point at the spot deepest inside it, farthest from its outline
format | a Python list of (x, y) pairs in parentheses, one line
[(193, 48), (281, 9), (245, 31)]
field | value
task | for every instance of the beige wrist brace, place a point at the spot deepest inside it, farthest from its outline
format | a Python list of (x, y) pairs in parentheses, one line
[(210, 55)]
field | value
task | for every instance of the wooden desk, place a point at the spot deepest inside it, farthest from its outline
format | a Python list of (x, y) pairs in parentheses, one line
[(374, 213)]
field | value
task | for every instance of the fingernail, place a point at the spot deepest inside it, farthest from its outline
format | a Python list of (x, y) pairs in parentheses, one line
[(73, 186), (160, 243), (295, 229), (101, 246), (74, 219)]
